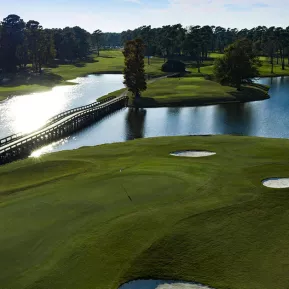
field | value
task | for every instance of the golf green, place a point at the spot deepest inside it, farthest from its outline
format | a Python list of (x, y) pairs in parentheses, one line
[(98, 217)]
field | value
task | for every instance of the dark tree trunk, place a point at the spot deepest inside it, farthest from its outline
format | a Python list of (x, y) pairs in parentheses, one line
[(272, 63), (198, 64), (282, 59)]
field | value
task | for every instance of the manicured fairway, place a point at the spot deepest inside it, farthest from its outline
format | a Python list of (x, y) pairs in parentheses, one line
[(196, 90), (190, 90), (97, 217)]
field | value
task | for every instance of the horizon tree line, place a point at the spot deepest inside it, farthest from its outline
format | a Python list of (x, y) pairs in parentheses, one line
[(29, 43), (198, 42)]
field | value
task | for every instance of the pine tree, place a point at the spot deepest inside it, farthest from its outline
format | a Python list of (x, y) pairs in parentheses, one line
[(134, 73)]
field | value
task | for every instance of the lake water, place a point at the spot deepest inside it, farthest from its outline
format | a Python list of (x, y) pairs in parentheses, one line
[(22, 114), (268, 118)]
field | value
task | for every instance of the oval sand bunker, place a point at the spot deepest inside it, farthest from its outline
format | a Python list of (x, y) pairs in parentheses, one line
[(182, 286), (162, 284), (192, 154), (276, 183)]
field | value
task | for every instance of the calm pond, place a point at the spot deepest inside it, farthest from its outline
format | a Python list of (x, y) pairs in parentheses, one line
[(25, 113), (269, 118)]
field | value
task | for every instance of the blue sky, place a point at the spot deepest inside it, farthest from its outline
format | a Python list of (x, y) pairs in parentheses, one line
[(119, 15)]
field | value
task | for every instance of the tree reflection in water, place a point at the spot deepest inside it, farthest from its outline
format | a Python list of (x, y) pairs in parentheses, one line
[(235, 118), (134, 126)]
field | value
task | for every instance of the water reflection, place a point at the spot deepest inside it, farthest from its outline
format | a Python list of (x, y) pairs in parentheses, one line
[(234, 118), (173, 119), (25, 113), (135, 120), (268, 118)]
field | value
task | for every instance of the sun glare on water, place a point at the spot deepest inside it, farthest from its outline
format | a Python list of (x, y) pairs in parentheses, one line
[(30, 112), (47, 149)]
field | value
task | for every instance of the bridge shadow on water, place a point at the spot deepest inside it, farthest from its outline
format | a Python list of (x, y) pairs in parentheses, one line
[(134, 123)]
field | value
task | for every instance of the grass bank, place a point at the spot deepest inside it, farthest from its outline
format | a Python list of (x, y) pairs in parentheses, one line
[(67, 221), (193, 91), (109, 61), (186, 91)]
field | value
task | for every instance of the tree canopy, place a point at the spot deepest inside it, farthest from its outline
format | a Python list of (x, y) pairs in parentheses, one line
[(239, 63), (134, 75), (22, 43), (174, 66), (198, 41)]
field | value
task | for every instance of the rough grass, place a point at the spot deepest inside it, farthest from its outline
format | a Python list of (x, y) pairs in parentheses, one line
[(208, 220)]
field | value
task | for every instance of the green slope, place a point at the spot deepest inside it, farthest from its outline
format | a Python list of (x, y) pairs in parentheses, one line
[(67, 222)]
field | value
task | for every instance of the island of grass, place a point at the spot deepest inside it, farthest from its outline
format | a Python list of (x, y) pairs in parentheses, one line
[(97, 217), (193, 91)]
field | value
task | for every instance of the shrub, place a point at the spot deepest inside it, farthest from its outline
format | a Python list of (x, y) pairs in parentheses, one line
[(174, 66)]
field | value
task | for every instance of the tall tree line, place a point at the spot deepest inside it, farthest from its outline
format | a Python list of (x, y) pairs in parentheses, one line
[(29, 43), (111, 40), (198, 41)]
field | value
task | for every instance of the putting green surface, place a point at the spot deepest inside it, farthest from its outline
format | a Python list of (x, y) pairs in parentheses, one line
[(98, 217), (191, 90), (196, 91)]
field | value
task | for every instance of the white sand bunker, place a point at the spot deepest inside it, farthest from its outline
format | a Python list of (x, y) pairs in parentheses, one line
[(162, 284), (277, 183), (193, 154), (182, 286)]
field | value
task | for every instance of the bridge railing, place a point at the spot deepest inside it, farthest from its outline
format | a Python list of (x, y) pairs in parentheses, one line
[(43, 133), (55, 118)]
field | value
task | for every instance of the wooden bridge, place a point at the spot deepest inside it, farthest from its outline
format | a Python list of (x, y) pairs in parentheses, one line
[(18, 146)]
